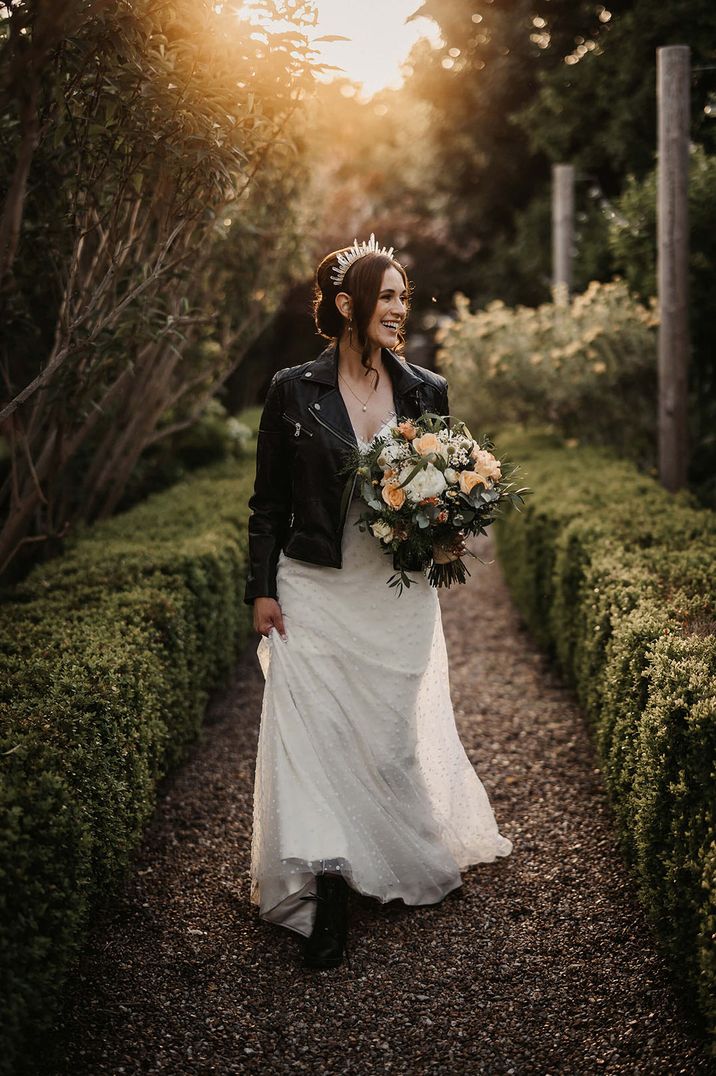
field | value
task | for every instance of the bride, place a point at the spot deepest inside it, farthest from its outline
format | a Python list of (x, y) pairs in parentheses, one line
[(361, 780)]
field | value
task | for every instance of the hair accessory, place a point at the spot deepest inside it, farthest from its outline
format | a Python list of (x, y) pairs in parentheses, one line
[(346, 258)]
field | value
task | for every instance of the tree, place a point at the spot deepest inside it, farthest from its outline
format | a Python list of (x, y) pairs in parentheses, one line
[(597, 110), (517, 86), (483, 166), (154, 125)]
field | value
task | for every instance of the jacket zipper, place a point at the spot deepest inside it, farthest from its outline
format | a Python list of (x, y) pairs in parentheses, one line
[(297, 426), (355, 476), (332, 430)]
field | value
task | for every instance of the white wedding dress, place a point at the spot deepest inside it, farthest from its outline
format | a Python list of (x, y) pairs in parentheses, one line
[(359, 767)]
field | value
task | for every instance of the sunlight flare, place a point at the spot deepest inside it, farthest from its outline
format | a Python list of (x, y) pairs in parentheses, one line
[(365, 41)]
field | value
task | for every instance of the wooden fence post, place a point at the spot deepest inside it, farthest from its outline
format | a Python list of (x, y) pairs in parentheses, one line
[(673, 100), (562, 230)]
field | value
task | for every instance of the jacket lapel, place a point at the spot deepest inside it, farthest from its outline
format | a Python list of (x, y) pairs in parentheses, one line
[(329, 407)]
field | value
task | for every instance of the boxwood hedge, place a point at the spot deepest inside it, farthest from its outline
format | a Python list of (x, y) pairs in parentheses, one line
[(616, 579), (108, 655)]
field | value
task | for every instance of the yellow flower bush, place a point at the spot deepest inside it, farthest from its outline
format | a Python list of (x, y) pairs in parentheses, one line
[(586, 367)]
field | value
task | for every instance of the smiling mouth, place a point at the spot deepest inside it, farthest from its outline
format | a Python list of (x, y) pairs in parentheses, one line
[(391, 326)]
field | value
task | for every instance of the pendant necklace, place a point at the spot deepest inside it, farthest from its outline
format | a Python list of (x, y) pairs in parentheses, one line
[(364, 405)]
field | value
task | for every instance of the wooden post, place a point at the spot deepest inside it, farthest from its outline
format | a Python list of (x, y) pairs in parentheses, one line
[(562, 230), (673, 99)]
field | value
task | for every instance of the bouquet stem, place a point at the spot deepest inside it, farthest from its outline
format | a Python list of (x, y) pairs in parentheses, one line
[(444, 575)]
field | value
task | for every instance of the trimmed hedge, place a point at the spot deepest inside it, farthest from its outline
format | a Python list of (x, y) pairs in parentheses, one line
[(616, 579), (108, 655)]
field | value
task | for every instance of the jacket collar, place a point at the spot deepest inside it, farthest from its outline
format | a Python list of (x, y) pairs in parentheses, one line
[(324, 369)]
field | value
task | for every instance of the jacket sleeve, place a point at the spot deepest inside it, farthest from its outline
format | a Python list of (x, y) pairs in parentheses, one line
[(445, 403), (270, 502)]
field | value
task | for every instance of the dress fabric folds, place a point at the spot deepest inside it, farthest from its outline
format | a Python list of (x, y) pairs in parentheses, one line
[(359, 766)]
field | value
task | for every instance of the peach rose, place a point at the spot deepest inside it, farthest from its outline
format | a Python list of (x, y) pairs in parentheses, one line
[(392, 495), (486, 462), (407, 429), (469, 479), (426, 444)]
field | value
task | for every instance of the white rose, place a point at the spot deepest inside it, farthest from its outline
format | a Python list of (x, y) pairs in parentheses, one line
[(429, 482), (382, 530), (390, 453), (451, 475)]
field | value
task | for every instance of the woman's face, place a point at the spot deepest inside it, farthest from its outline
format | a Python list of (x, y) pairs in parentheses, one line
[(390, 311)]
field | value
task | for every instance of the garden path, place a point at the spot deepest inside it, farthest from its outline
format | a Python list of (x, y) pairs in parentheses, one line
[(540, 963)]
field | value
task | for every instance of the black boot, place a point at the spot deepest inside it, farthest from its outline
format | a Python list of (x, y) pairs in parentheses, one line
[(325, 946)]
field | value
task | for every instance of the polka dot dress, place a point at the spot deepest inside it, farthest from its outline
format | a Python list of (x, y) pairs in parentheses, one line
[(359, 768)]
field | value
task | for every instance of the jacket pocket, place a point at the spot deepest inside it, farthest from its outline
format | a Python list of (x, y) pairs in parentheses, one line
[(298, 426)]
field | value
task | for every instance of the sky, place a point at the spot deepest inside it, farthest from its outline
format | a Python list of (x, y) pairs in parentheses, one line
[(380, 39)]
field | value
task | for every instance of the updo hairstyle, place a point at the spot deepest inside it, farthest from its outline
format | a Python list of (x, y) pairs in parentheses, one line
[(362, 282)]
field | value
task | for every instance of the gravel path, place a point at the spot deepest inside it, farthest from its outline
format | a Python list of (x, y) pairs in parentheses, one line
[(540, 963)]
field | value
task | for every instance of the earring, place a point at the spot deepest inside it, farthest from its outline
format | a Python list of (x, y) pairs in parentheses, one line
[(350, 332)]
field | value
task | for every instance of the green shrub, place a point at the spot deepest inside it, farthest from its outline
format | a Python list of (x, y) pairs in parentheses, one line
[(587, 367), (215, 436), (108, 655), (615, 578), (632, 240)]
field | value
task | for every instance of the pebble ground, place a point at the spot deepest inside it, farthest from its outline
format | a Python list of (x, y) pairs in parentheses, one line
[(539, 963)]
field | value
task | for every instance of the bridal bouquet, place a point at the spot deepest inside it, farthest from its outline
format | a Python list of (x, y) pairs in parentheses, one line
[(426, 487)]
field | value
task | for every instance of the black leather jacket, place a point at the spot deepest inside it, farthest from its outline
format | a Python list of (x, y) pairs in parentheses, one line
[(303, 438)]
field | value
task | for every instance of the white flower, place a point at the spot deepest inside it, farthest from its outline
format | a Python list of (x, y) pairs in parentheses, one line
[(429, 482), (392, 451), (382, 530), (451, 475)]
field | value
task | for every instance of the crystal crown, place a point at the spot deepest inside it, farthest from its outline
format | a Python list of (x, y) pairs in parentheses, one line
[(358, 250)]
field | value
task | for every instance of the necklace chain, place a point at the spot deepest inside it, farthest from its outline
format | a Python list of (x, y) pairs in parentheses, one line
[(362, 402)]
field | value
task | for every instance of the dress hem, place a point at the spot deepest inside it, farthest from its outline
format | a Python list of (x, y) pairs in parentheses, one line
[(268, 915)]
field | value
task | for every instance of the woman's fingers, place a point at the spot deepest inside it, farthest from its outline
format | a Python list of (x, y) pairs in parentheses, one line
[(267, 616), (444, 554), (440, 556), (278, 622), (274, 624)]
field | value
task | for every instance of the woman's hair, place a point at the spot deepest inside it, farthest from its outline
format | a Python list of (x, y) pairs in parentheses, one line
[(362, 282)]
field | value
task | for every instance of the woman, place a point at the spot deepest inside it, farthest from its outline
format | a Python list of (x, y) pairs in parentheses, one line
[(361, 780)]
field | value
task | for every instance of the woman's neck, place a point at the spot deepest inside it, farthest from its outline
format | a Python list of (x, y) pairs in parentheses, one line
[(350, 365)]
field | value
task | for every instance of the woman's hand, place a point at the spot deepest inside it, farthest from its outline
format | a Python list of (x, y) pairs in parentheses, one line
[(268, 615), (443, 554)]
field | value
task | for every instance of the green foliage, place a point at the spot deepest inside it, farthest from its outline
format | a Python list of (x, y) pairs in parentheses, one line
[(158, 225), (632, 239), (107, 656), (597, 110), (513, 89), (615, 578), (215, 436), (479, 165), (588, 367)]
